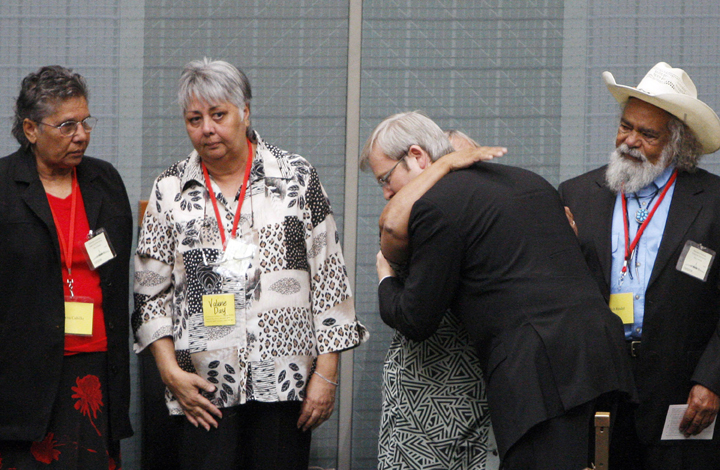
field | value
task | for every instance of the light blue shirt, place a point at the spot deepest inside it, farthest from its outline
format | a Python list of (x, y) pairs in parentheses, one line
[(641, 264)]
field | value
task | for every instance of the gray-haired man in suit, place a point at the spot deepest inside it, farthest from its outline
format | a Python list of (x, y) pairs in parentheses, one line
[(492, 243)]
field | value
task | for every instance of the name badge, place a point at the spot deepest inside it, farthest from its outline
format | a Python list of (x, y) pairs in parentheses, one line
[(695, 260), (219, 309), (98, 249), (78, 316), (622, 306), (236, 258)]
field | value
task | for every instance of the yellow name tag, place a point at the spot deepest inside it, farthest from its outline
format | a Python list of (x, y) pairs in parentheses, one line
[(622, 306), (78, 318), (219, 309)]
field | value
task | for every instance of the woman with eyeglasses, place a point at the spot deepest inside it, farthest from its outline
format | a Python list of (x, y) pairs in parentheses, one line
[(241, 291), (65, 235)]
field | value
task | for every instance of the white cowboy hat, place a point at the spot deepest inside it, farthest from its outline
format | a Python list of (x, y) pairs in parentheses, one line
[(672, 90)]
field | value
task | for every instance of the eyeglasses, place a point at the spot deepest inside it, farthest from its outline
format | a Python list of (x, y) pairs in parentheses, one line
[(384, 180), (69, 128)]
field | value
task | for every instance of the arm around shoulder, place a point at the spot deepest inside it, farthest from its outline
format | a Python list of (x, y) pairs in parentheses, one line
[(394, 234), (394, 219)]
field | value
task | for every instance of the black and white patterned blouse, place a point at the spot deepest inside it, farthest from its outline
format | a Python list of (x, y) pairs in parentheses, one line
[(293, 303)]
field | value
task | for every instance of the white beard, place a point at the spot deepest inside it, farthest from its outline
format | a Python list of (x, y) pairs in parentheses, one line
[(626, 174)]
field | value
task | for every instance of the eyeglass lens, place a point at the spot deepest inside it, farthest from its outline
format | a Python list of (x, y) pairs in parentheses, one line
[(384, 179), (70, 127)]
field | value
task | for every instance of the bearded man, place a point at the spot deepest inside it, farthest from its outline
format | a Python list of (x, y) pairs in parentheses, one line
[(649, 228)]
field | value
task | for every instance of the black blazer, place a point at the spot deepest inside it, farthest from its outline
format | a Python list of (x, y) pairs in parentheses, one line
[(681, 334), (493, 244), (32, 300)]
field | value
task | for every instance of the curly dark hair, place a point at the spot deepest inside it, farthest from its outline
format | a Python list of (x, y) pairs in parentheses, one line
[(40, 92)]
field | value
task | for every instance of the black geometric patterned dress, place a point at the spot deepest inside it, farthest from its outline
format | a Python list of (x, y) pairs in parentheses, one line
[(434, 411)]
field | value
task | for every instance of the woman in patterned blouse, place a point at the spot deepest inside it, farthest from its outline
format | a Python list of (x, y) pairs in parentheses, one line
[(241, 291)]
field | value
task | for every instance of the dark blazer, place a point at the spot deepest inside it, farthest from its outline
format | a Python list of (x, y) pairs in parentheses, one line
[(681, 334), (32, 300), (492, 243)]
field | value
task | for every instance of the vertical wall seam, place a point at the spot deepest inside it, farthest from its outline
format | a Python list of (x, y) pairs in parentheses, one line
[(352, 142)]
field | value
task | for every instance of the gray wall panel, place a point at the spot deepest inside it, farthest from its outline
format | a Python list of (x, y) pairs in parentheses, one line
[(519, 73)]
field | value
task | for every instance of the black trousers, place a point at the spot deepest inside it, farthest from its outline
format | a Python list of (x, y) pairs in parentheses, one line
[(251, 436), (560, 443)]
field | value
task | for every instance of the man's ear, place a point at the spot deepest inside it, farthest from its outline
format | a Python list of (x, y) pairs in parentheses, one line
[(420, 155)]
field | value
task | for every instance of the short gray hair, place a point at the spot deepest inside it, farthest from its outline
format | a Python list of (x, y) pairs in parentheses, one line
[(41, 92), (397, 133), (214, 82), (456, 134)]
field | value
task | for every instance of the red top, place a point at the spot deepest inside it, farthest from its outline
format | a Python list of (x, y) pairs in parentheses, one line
[(86, 283)]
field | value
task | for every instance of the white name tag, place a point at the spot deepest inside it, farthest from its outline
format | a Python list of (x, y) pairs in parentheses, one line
[(98, 249), (695, 260)]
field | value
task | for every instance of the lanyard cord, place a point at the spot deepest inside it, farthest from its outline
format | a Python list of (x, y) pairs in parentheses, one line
[(240, 201), (67, 247), (629, 249)]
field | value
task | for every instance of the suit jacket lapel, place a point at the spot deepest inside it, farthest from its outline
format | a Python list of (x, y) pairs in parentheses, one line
[(684, 208), (93, 200), (92, 197), (33, 193), (602, 232), (36, 199)]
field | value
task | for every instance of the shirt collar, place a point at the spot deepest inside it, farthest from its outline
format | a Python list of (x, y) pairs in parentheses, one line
[(664, 177), (265, 164), (659, 182), (192, 172)]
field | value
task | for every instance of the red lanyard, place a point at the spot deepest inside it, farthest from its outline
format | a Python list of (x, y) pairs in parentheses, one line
[(240, 201), (67, 247), (629, 249)]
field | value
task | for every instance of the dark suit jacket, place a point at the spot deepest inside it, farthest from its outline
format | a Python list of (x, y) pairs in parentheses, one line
[(493, 244), (681, 335), (32, 301)]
